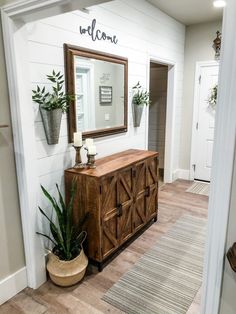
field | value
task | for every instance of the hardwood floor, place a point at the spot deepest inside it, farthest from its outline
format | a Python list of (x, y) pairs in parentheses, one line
[(85, 297)]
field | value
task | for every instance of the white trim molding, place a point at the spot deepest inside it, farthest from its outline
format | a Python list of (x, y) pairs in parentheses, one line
[(198, 68), (12, 285), (32, 10), (223, 162), (180, 174), (24, 146)]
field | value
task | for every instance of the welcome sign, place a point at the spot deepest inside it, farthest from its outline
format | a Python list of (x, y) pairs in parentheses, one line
[(97, 34)]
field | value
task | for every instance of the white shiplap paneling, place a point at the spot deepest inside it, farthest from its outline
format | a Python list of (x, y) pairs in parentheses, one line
[(142, 31)]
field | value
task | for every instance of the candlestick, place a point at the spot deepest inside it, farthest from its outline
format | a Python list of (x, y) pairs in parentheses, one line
[(78, 139), (88, 142), (78, 160), (91, 161)]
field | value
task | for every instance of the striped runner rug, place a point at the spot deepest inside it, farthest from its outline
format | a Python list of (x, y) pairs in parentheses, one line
[(199, 188), (166, 279)]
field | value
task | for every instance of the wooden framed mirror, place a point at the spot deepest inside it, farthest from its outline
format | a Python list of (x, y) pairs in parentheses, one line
[(100, 83)]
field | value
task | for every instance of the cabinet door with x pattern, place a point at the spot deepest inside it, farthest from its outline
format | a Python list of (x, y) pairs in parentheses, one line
[(139, 210), (108, 208), (151, 188), (125, 204)]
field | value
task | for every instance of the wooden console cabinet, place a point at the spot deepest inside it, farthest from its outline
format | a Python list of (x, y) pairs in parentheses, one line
[(121, 196)]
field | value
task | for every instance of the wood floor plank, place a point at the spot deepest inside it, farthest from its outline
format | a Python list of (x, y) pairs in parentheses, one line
[(85, 297)]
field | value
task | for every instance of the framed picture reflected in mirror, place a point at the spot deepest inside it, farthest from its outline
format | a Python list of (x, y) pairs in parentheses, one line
[(105, 95)]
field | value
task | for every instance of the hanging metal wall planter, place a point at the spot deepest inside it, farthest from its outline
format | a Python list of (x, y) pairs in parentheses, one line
[(140, 99), (52, 124), (51, 105), (137, 114)]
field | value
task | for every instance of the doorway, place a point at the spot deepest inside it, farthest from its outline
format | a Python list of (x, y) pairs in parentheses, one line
[(84, 102), (206, 87), (157, 112), (225, 127)]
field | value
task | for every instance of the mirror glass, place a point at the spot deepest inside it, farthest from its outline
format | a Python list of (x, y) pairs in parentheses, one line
[(99, 89), (99, 82)]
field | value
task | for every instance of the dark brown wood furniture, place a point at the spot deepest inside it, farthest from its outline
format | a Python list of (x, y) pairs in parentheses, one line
[(121, 196)]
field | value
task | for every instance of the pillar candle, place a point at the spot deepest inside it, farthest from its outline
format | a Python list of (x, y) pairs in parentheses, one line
[(92, 150), (78, 139), (88, 142)]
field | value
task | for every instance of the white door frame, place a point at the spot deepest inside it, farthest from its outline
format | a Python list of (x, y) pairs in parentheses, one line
[(222, 166), (198, 68), (223, 155), (170, 114)]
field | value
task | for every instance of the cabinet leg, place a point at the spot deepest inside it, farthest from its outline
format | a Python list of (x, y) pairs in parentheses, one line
[(100, 267), (155, 219)]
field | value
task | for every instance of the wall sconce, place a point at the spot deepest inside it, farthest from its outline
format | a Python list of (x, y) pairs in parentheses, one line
[(217, 45)]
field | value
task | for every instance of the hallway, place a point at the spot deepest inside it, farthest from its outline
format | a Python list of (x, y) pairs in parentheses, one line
[(174, 202)]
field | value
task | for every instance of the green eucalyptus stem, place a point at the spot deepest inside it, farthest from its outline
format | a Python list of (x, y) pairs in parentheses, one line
[(140, 96), (57, 98)]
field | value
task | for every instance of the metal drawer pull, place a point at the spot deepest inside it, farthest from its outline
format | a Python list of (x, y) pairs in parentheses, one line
[(147, 191), (3, 126), (119, 210)]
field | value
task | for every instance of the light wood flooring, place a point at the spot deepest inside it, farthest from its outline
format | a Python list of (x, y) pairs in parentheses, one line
[(85, 297)]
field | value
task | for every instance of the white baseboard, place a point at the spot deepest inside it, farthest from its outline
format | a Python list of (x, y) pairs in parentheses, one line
[(181, 174), (174, 175), (13, 284)]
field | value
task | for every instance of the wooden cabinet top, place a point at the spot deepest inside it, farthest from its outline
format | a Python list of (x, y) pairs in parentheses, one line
[(115, 162)]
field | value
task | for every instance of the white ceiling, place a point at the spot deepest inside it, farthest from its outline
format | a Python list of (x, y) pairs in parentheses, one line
[(189, 11)]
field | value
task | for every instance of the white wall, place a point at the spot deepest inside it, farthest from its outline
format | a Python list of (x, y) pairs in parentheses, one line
[(142, 30), (198, 47), (157, 111)]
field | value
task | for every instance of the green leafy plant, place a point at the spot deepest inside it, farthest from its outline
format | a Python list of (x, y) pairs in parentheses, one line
[(57, 98), (213, 96), (140, 96), (66, 237)]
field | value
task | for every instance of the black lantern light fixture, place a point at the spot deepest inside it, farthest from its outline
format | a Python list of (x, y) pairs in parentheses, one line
[(217, 45)]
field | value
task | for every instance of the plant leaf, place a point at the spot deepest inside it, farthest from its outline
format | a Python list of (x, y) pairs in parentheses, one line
[(46, 236)]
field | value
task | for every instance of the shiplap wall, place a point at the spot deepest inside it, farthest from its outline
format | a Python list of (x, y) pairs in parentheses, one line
[(157, 111), (142, 30)]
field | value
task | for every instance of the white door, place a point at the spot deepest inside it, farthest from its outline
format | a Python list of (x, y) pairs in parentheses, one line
[(204, 123), (84, 89), (82, 122)]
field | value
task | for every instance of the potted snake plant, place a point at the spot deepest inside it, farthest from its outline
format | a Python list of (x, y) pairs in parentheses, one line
[(67, 262), (140, 99), (52, 104)]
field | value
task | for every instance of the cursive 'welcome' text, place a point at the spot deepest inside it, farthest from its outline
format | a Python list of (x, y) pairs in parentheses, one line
[(97, 34)]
